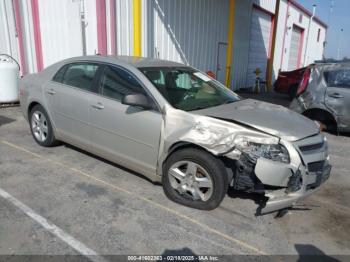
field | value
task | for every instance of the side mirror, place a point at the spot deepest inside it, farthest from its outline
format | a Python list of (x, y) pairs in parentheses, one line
[(139, 100)]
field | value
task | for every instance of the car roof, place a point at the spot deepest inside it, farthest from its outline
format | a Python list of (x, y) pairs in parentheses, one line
[(135, 61)]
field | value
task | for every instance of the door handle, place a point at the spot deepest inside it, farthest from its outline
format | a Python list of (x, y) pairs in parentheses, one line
[(51, 92), (336, 95), (98, 106)]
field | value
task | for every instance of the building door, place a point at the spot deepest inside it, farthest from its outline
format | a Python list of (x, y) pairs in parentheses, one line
[(221, 62), (259, 45), (295, 50)]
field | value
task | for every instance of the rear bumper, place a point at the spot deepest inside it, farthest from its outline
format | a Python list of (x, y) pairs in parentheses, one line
[(311, 182)]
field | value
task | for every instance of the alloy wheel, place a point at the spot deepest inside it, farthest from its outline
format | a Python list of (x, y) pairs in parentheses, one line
[(191, 180), (39, 126)]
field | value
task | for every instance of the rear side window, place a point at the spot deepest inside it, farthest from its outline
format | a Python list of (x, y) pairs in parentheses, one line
[(116, 83), (338, 78), (80, 75), (59, 75)]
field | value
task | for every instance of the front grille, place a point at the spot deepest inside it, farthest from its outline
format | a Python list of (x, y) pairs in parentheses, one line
[(311, 147), (316, 167)]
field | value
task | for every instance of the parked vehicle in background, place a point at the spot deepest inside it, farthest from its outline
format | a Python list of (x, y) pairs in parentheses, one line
[(324, 95), (176, 125), (288, 82)]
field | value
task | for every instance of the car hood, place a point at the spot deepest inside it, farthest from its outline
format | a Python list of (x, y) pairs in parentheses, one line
[(269, 118)]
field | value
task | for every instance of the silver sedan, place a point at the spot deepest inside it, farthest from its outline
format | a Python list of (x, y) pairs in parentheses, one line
[(175, 125)]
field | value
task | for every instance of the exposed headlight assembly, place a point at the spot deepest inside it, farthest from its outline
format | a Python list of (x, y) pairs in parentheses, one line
[(274, 152)]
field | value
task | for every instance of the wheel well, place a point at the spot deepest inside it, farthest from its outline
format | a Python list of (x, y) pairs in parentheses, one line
[(182, 145), (30, 107), (323, 116)]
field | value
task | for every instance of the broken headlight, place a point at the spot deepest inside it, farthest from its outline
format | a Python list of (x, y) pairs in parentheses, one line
[(275, 152)]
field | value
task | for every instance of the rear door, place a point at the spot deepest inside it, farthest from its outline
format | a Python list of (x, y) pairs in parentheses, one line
[(338, 94), (69, 95), (295, 50), (126, 134)]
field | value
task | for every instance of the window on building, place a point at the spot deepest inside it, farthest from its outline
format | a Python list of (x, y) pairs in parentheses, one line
[(80, 75), (300, 18), (319, 35), (116, 83)]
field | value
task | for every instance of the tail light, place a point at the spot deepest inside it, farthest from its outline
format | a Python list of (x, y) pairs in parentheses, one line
[(304, 82)]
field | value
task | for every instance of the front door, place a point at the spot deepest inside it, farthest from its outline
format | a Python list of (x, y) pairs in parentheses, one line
[(125, 134), (338, 95)]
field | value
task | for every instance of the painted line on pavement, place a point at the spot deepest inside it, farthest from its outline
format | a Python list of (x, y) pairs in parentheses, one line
[(52, 228)]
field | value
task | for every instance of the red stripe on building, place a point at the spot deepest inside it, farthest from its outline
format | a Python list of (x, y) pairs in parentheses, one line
[(101, 27), (37, 35), (19, 31)]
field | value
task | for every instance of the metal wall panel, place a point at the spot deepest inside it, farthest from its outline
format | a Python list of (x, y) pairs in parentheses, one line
[(280, 48), (8, 37), (91, 27), (315, 47), (61, 35), (241, 39), (187, 31), (28, 36), (124, 22)]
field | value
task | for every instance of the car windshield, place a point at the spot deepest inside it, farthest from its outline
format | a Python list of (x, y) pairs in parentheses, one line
[(188, 89)]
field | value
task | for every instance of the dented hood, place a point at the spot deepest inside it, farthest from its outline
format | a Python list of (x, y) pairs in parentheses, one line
[(269, 118)]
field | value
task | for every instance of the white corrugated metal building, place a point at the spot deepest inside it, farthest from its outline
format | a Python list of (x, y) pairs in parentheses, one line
[(231, 38)]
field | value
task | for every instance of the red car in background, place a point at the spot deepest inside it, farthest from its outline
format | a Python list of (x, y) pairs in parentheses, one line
[(288, 82)]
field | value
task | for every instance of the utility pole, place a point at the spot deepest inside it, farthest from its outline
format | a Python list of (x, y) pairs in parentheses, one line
[(340, 43), (308, 33)]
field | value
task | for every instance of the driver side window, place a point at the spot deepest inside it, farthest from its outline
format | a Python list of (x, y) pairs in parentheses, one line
[(116, 83)]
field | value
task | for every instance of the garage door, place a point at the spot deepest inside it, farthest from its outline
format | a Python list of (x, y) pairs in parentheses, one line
[(259, 45), (295, 49)]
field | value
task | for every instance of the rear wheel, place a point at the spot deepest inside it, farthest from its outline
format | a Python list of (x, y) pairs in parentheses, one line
[(195, 178), (41, 128)]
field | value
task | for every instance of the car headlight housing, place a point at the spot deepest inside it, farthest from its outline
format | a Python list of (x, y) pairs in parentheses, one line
[(274, 152)]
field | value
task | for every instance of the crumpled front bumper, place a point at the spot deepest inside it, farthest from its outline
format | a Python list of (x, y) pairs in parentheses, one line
[(310, 183)]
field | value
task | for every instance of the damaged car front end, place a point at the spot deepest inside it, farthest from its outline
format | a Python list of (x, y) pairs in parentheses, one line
[(266, 148), (284, 166)]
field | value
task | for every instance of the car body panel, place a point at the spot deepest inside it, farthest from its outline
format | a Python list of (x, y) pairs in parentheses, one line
[(142, 140), (120, 131), (269, 118), (286, 80), (320, 96), (69, 108)]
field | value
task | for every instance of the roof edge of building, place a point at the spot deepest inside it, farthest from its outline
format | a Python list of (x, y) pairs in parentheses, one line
[(306, 11)]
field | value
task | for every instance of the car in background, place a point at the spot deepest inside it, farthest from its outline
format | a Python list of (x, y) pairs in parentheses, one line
[(324, 95), (288, 82), (175, 125)]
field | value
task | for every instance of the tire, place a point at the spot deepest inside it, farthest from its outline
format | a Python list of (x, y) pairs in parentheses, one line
[(293, 91), (209, 171), (41, 127)]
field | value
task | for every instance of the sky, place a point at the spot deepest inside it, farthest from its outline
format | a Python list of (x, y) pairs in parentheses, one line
[(339, 19)]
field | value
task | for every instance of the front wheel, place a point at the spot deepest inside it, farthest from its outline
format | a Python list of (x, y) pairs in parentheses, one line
[(195, 178)]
